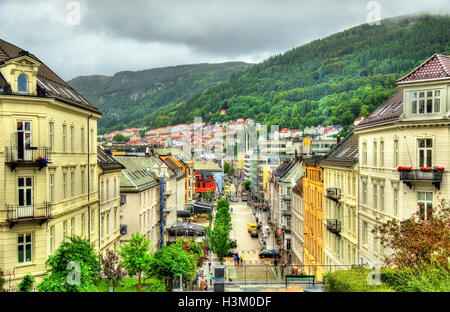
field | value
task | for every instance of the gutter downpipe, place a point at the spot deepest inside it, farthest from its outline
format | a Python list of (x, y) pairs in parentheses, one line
[(89, 176), (161, 196)]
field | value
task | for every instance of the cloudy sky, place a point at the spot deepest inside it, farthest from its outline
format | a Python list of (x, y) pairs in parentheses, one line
[(117, 35)]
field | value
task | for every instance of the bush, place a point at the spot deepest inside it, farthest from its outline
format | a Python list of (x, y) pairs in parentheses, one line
[(354, 280), (2, 280), (26, 285), (155, 285), (425, 278)]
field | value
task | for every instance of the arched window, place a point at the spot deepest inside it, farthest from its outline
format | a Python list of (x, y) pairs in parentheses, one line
[(22, 83)]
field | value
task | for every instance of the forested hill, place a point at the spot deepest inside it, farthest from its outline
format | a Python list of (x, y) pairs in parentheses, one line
[(128, 99), (328, 81)]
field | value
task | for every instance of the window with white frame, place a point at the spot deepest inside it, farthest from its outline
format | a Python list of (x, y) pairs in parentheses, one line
[(425, 152), (364, 192), (24, 247), (364, 232), (364, 148), (425, 203), (52, 239), (72, 138), (375, 155), (64, 230), (64, 138), (382, 197), (72, 226), (51, 134), (82, 140), (65, 185), (381, 153), (395, 153), (395, 202), (83, 224), (375, 196), (52, 187), (83, 182), (72, 184), (425, 102)]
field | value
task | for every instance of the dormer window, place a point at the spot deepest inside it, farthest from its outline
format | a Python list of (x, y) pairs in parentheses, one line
[(22, 83), (426, 102)]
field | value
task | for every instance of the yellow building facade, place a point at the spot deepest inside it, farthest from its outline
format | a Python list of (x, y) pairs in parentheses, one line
[(48, 164), (313, 207)]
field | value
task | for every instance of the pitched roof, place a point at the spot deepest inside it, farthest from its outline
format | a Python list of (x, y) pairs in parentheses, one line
[(106, 162), (345, 154), (298, 188), (435, 67), (53, 85), (388, 112), (136, 176), (293, 173)]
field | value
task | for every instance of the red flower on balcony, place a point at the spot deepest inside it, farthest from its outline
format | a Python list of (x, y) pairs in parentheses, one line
[(436, 168), (425, 168), (403, 168)]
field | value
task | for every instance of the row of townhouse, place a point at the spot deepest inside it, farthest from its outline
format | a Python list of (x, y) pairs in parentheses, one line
[(393, 166)]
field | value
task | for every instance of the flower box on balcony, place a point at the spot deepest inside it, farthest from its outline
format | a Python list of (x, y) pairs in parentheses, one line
[(403, 168)]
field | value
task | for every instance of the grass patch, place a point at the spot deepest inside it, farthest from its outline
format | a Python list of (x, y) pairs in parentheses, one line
[(131, 285)]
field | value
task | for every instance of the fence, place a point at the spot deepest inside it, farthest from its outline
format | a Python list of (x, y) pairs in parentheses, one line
[(271, 274)]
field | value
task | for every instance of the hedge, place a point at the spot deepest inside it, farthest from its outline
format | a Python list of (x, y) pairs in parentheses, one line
[(354, 280)]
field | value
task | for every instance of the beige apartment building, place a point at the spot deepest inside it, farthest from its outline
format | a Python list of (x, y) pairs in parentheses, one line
[(411, 129), (48, 164), (297, 242), (341, 203), (109, 201)]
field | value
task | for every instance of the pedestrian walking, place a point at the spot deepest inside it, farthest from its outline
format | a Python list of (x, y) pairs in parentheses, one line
[(241, 259), (206, 285), (235, 260), (211, 277), (209, 265)]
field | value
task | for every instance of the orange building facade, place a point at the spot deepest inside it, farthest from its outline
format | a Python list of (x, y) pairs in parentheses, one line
[(313, 205)]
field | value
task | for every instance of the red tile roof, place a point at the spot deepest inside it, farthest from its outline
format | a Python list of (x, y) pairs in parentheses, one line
[(436, 67)]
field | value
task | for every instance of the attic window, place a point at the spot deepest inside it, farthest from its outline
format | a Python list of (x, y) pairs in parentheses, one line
[(22, 83)]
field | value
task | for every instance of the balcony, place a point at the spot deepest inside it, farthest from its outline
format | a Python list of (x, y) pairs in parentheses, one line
[(334, 193), (286, 212), (31, 157), (286, 228), (38, 212), (418, 175), (334, 226), (286, 197)]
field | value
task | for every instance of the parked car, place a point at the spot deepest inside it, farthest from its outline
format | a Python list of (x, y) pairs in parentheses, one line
[(269, 254), (233, 243), (252, 227), (254, 234), (233, 253)]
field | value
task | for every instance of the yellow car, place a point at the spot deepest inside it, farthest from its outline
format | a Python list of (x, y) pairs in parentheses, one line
[(252, 227)]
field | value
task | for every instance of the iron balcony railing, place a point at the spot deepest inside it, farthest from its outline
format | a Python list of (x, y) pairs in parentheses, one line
[(286, 212), (33, 156), (334, 226), (17, 213), (421, 175), (334, 193), (286, 228)]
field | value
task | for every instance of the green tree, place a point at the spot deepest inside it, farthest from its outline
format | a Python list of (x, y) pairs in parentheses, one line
[(121, 138), (247, 185), (136, 257), (26, 285), (173, 261), (227, 169), (74, 267), (218, 239), (2, 279)]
